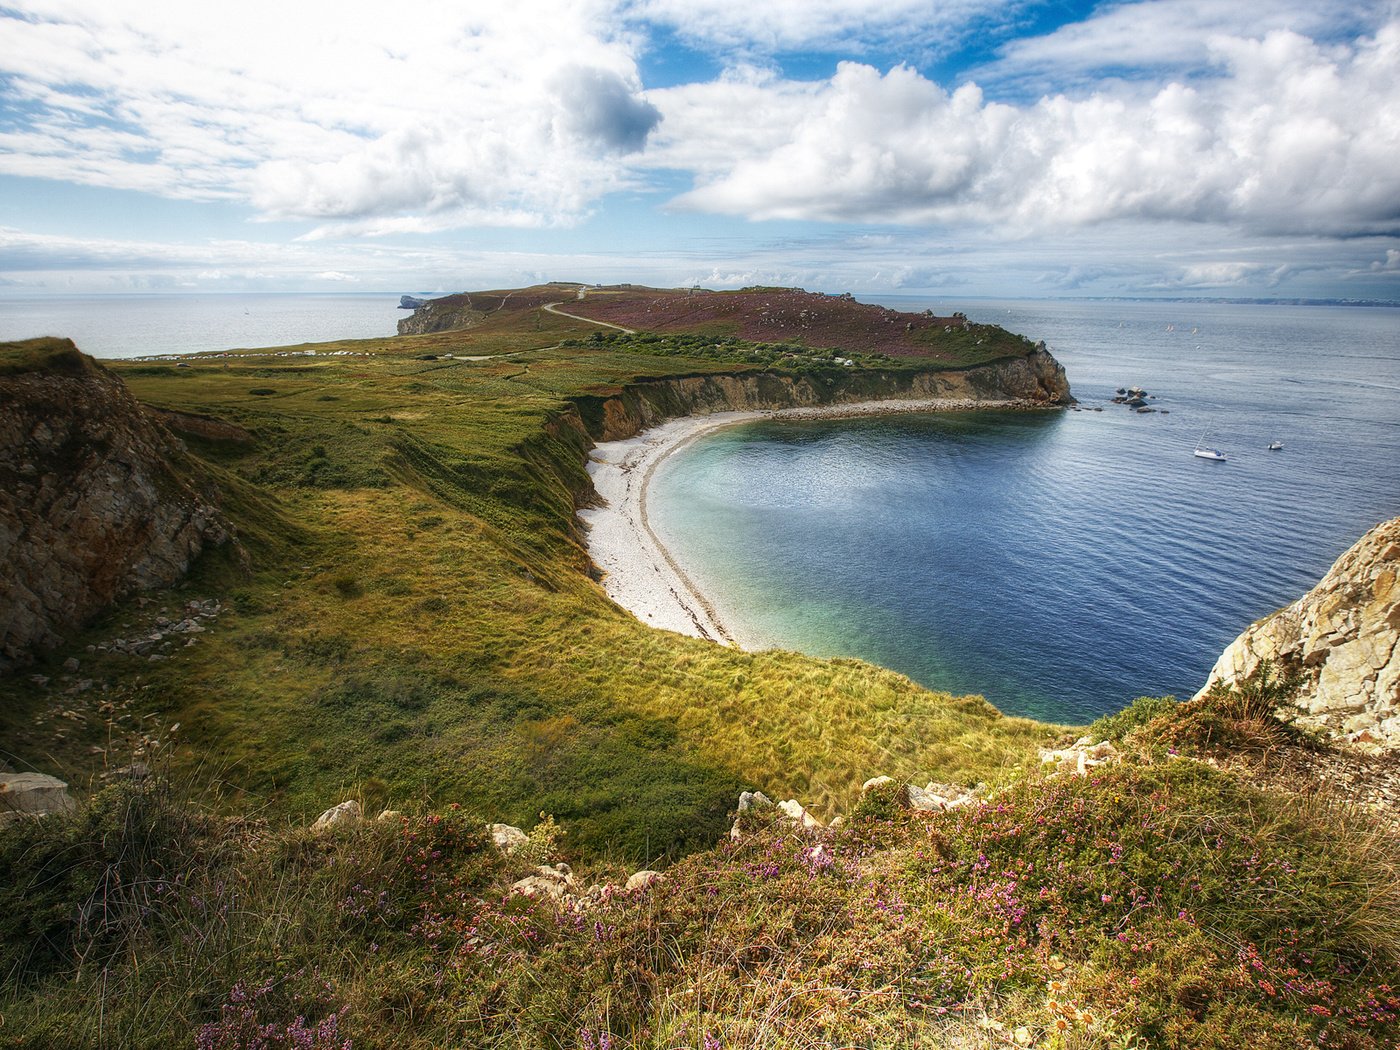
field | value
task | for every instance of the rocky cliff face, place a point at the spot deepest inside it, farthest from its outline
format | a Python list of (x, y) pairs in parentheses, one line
[(1035, 379), (1344, 637), (94, 505)]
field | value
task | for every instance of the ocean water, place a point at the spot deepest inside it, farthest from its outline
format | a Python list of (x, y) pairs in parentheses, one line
[(1059, 564), (125, 326)]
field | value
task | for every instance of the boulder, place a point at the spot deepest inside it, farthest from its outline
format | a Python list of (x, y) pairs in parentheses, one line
[(347, 814), (797, 813), (33, 794), (507, 837), (1343, 638), (937, 798), (1077, 759), (644, 878), (548, 883)]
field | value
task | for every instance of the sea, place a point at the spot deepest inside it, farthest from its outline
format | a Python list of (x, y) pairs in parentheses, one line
[(1060, 564), (127, 326)]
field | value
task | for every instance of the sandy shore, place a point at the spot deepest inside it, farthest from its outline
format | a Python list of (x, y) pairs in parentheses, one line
[(639, 573)]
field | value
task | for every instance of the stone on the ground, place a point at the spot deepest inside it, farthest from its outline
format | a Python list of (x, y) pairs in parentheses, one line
[(797, 813), (346, 814), (875, 782), (1080, 757), (644, 878), (507, 837), (936, 798), (33, 794)]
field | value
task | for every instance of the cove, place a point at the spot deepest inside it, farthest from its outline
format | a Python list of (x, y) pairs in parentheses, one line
[(1059, 564)]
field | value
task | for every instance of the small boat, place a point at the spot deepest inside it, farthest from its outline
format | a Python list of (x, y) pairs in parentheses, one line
[(1275, 446), (1204, 451)]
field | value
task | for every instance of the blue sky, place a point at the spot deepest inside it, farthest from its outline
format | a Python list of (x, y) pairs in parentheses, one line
[(973, 147)]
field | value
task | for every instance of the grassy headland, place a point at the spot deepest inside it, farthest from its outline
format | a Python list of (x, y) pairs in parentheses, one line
[(418, 622), (409, 620)]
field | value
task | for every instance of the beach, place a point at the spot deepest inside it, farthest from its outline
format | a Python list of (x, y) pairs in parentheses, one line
[(638, 572)]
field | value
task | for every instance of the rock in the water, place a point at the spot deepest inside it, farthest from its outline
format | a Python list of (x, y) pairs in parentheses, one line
[(344, 815), (1343, 637), (33, 794), (507, 837)]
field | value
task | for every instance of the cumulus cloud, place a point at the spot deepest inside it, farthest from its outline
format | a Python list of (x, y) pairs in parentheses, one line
[(1288, 135), (424, 115)]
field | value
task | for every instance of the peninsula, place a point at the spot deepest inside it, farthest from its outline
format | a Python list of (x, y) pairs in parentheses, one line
[(321, 730)]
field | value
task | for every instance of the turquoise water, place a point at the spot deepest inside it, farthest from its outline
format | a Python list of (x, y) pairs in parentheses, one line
[(1060, 564), (117, 326)]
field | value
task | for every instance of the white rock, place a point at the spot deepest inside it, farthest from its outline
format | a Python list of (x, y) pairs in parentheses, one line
[(507, 837), (797, 813), (389, 815), (1344, 636), (346, 814), (875, 782), (644, 878), (34, 794)]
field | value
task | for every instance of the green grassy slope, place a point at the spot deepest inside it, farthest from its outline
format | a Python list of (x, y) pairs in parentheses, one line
[(419, 622)]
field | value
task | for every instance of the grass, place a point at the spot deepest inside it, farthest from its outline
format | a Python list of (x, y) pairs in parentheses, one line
[(1157, 903), (409, 621), (415, 613)]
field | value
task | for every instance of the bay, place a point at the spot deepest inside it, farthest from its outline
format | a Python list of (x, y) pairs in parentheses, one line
[(1062, 563)]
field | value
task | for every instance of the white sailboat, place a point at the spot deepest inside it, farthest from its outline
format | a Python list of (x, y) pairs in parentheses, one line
[(1204, 451)]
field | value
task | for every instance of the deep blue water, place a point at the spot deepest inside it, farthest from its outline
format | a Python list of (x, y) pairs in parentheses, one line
[(1060, 564), (138, 325)]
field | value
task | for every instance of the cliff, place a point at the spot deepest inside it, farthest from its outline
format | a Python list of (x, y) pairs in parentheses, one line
[(1035, 379), (94, 502), (1343, 637)]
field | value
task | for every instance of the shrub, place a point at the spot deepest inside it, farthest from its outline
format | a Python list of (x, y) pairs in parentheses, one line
[(1140, 712), (77, 887)]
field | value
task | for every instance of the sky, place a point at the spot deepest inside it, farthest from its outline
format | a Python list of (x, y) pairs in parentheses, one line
[(1021, 148)]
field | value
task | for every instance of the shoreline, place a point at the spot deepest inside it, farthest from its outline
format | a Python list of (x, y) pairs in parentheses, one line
[(638, 572)]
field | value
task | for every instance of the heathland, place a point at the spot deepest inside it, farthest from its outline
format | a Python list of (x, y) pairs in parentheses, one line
[(407, 617)]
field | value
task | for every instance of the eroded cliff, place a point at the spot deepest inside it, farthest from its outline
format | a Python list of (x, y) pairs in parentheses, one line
[(94, 501), (1343, 637), (1035, 379)]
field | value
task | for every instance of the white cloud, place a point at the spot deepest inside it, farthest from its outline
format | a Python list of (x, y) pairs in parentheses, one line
[(1390, 264), (430, 113), (1153, 38), (1288, 136)]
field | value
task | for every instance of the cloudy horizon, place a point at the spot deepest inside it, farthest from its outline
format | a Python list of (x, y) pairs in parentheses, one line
[(1158, 147)]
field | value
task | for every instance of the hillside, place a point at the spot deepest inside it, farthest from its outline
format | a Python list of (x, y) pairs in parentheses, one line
[(409, 629), (755, 315), (418, 620)]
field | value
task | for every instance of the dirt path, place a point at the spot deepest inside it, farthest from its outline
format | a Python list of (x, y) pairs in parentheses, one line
[(553, 308)]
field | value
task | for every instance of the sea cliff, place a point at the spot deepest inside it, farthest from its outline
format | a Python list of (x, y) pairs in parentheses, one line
[(1342, 639), (93, 505), (1034, 380)]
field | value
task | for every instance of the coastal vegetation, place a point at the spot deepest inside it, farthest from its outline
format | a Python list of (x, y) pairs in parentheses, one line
[(406, 618), (1159, 901)]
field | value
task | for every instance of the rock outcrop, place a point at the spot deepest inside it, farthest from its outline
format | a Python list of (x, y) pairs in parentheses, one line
[(95, 500), (1343, 638), (1035, 379), (32, 795)]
